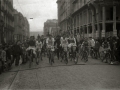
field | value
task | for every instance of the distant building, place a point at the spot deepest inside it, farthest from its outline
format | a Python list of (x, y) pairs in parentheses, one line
[(89, 18), (27, 28), (51, 27), (36, 33), (22, 28)]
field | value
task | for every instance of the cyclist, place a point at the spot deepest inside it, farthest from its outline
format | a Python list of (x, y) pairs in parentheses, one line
[(84, 47), (57, 44), (39, 46), (106, 46), (32, 45), (50, 43), (64, 43), (72, 43), (44, 47)]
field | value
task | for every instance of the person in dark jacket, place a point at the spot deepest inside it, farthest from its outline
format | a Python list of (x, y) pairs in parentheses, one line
[(96, 48), (118, 49), (9, 56), (17, 51), (57, 43)]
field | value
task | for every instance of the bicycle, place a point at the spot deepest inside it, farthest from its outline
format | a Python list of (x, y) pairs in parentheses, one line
[(64, 55), (30, 55), (85, 54), (108, 57), (105, 56), (50, 54), (39, 55), (24, 57), (92, 53), (73, 54), (80, 53), (101, 52)]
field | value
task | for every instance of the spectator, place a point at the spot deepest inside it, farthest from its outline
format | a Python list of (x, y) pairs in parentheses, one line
[(17, 51), (0, 59), (3, 54), (23, 53), (9, 56), (96, 48), (3, 57), (118, 49)]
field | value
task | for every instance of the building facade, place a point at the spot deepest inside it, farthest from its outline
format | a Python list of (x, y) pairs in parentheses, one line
[(89, 18), (27, 28), (7, 17), (21, 25), (51, 27)]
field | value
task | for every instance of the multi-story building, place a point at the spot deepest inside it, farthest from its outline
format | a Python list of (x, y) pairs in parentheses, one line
[(64, 11), (51, 27), (21, 26), (6, 16), (89, 18), (27, 28)]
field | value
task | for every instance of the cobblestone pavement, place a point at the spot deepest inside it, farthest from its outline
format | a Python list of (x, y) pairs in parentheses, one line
[(93, 75)]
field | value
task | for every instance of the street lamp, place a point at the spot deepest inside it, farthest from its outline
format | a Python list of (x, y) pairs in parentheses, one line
[(30, 19)]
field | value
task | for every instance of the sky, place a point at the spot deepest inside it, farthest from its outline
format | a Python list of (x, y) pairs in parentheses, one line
[(39, 10)]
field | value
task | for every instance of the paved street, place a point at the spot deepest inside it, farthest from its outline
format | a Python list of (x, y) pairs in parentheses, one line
[(93, 75)]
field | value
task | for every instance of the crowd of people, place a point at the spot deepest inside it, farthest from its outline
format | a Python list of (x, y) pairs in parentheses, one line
[(12, 53)]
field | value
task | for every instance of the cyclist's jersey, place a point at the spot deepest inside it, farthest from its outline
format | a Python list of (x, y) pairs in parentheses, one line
[(50, 42), (72, 40), (38, 44), (64, 41)]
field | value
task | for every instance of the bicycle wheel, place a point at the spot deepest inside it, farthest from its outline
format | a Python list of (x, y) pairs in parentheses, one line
[(91, 53), (66, 61), (108, 58), (76, 58), (51, 60), (60, 56), (102, 56), (65, 58), (85, 56), (5, 67), (30, 61), (94, 55), (37, 59)]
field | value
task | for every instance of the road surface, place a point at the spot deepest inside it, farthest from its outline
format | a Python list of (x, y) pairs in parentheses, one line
[(93, 75)]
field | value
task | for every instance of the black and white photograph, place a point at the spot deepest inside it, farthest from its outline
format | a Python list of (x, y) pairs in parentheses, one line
[(59, 44)]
